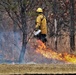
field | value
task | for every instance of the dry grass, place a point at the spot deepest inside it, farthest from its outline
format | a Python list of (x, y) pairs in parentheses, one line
[(37, 69)]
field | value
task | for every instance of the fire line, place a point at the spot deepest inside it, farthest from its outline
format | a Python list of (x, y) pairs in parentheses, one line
[(48, 53)]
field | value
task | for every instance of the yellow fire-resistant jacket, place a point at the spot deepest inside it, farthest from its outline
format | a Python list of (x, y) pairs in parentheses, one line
[(41, 22)]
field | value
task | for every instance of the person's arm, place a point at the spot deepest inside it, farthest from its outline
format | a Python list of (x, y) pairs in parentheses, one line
[(38, 21)]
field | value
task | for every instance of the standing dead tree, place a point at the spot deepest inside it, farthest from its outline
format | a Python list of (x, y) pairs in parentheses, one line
[(55, 21), (72, 26)]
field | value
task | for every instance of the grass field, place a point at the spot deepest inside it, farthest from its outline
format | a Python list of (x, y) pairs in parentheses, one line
[(37, 69)]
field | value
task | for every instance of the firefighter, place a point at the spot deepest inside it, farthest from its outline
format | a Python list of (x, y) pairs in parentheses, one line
[(41, 24)]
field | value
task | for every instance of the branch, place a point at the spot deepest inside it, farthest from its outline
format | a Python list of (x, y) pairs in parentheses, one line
[(13, 19), (17, 17), (11, 16)]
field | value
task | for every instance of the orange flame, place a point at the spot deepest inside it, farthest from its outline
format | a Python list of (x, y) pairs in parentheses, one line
[(48, 53)]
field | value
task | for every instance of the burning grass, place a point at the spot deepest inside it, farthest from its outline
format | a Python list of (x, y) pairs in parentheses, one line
[(50, 54), (69, 67)]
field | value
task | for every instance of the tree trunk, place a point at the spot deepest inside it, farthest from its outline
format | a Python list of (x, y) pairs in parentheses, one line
[(72, 30), (55, 22), (24, 28)]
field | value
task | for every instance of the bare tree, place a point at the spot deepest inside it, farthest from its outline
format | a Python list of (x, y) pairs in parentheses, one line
[(24, 27), (16, 10)]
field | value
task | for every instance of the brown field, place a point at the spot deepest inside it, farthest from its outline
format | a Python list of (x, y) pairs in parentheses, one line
[(37, 69)]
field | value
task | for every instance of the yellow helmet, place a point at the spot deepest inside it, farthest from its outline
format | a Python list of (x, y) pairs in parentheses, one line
[(39, 10)]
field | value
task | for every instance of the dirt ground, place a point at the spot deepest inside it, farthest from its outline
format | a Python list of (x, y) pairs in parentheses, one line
[(9, 69)]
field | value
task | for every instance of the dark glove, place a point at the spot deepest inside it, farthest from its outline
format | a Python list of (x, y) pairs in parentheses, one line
[(36, 29)]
